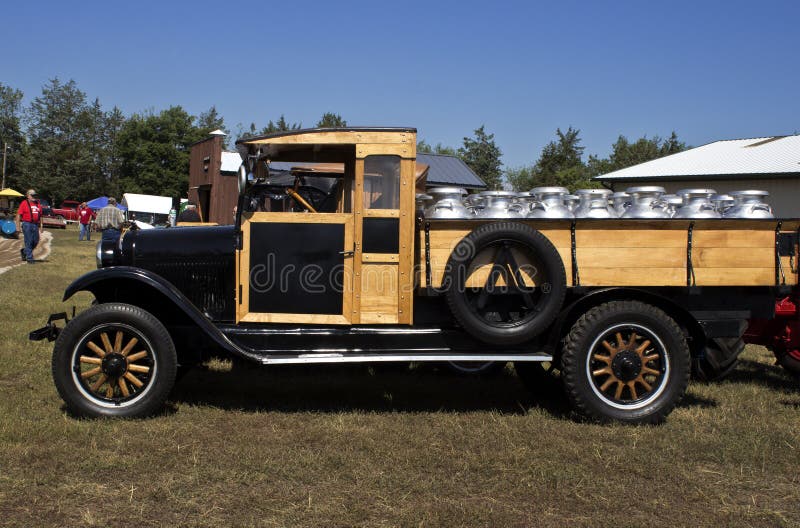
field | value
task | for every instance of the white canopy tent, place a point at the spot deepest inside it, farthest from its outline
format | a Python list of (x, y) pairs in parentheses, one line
[(148, 208)]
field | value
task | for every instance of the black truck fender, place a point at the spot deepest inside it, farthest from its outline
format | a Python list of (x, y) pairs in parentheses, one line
[(149, 290)]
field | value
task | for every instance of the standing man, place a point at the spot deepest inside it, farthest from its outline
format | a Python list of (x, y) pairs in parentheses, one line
[(110, 220), (29, 221), (85, 215)]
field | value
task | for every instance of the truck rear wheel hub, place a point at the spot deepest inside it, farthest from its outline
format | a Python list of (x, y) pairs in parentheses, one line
[(627, 365)]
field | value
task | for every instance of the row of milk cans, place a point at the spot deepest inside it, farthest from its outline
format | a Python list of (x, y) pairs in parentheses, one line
[(557, 202)]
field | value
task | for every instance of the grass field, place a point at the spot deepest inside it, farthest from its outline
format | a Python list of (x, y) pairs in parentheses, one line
[(355, 446)]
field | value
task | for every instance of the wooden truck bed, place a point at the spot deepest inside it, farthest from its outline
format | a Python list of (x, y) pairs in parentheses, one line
[(634, 252)]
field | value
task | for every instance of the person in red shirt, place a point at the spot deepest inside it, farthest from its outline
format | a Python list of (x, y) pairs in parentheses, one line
[(29, 221), (85, 216)]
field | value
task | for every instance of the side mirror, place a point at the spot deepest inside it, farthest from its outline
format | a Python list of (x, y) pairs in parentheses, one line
[(242, 179)]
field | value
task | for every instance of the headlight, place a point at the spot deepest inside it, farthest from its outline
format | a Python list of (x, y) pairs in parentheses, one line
[(106, 254)]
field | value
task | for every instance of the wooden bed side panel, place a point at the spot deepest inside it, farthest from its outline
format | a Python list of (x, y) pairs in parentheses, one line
[(620, 253)]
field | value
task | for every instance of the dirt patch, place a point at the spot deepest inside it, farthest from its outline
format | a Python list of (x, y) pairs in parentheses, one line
[(9, 250)]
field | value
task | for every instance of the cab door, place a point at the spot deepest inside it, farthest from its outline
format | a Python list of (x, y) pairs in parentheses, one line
[(295, 268), (384, 240)]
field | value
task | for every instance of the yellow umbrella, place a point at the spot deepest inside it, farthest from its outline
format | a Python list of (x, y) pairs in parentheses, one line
[(10, 193)]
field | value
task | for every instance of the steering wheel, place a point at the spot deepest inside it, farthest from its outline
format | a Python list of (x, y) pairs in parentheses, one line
[(294, 195)]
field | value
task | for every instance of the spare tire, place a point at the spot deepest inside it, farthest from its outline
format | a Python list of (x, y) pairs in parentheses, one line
[(530, 295)]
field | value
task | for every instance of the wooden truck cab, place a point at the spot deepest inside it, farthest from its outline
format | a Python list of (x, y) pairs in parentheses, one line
[(352, 265)]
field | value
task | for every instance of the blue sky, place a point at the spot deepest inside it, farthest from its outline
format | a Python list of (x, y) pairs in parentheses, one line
[(708, 70)]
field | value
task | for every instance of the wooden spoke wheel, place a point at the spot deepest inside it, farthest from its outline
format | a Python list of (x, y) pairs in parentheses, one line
[(114, 359), (628, 365), (113, 364), (625, 361)]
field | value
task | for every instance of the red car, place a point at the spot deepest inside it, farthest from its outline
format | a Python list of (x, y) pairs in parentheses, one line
[(68, 211)]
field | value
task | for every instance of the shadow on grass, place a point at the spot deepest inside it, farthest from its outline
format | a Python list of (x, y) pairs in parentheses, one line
[(372, 388), (769, 376), (692, 400), (369, 388)]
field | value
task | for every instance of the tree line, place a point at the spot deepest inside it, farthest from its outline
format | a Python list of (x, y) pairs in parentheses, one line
[(560, 162), (68, 146)]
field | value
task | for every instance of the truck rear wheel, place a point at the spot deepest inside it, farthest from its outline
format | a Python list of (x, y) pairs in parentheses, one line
[(523, 288), (625, 361), (789, 360), (720, 357), (114, 360)]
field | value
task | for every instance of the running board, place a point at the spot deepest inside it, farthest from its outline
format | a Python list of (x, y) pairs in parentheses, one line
[(355, 357)]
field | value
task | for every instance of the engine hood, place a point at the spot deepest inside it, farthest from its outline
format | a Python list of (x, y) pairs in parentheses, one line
[(140, 247)]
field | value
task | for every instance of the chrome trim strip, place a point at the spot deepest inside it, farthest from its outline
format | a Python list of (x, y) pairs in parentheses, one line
[(332, 357)]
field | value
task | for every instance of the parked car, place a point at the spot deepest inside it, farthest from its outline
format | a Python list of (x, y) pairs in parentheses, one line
[(68, 211)]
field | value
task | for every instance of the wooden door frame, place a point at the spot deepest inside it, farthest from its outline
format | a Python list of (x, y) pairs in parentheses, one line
[(243, 267)]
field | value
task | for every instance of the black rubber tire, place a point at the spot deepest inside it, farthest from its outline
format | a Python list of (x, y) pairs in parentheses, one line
[(578, 354), (552, 292), (789, 363), (720, 357), (155, 339), (476, 368)]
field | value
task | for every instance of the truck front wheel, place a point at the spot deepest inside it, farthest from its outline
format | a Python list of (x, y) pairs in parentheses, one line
[(625, 361), (114, 360)]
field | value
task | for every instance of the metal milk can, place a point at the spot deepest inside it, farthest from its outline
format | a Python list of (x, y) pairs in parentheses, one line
[(500, 204), (696, 204), (620, 201), (550, 203), (673, 202), (571, 201), (646, 202), (447, 203), (722, 202), (749, 204), (594, 204), (422, 201)]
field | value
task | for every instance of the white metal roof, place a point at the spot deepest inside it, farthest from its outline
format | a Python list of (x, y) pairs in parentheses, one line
[(779, 155), (230, 162), (147, 203)]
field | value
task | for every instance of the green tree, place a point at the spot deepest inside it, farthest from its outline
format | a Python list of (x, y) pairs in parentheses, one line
[(625, 153), (60, 127), (111, 162), (331, 120), (560, 163), (560, 155), (280, 126), (241, 133), (482, 155), (210, 120), (11, 136), (154, 152), (521, 178), (424, 147)]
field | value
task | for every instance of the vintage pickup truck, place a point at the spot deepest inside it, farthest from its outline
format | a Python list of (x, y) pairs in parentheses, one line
[(339, 267)]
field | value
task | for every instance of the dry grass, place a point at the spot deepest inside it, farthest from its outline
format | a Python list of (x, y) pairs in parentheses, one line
[(336, 446)]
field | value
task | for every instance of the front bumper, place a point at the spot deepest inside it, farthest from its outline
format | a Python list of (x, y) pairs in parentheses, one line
[(50, 331)]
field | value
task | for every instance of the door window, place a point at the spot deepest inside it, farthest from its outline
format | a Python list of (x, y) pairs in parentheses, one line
[(382, 182)]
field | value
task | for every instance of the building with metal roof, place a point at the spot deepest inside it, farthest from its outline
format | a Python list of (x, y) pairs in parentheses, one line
[(447, 170), (767, 163)]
